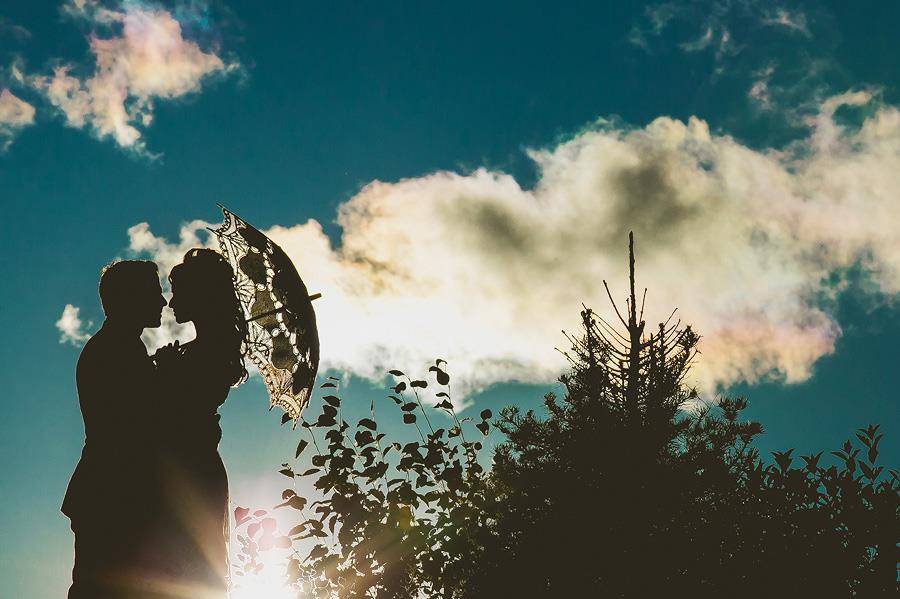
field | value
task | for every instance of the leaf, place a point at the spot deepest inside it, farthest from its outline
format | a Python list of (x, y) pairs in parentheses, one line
[(368, 423), (363, 438), (296, 502), (873, 454), (867, 471), (285, 418), (419, 383), (288, 493), (442, 394), (283, 542), (325, 420), (812, 461), (287, 472), (783, 459), (308, 472), (483, 427), (319, 460), (442, 377), (396, 373), (485, 414), (409, 407), (329, 411), (328, 384), (317, 552), (332, 400), (445, 404), (240, 515), (399, 388), (409, 418), (300, 447)]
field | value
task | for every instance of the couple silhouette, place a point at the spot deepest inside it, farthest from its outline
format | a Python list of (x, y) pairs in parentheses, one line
[(148, 501)]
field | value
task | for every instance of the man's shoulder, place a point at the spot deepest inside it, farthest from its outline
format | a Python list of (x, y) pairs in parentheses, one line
[(99, 343), (104, 346)]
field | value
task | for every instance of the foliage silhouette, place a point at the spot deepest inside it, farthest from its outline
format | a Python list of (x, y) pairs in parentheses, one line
[(393, 519), (629, 487)]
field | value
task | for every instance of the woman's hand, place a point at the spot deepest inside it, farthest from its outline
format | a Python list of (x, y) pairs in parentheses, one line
[(167, 355)]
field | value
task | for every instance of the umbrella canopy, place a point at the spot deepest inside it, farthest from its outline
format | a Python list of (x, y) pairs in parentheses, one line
[(282, 338)]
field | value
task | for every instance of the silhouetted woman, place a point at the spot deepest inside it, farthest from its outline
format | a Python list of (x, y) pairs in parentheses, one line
[(196, 378)]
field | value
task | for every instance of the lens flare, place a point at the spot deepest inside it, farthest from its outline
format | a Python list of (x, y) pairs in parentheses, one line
[(268, 584)]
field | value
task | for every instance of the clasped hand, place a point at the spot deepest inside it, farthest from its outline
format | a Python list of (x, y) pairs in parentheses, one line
[(167, 354)]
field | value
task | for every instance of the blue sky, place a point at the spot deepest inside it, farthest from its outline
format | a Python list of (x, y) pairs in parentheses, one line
[(514, 143)]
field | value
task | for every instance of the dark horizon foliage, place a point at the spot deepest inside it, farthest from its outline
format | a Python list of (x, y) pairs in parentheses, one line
[(629, 486)]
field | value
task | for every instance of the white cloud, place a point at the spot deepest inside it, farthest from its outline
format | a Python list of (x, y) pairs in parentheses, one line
[(477, 270), (759, 90), (15, 115), (712, 22), (658, 17), (72, 329), (166, 255), (145, 60), (141, 241), (792, 20), (701, 43), (168, 332)]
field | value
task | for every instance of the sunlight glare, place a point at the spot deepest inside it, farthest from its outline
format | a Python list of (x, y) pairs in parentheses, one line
[(265, 585)]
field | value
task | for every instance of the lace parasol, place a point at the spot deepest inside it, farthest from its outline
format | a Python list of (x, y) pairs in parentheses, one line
[(282, 338)]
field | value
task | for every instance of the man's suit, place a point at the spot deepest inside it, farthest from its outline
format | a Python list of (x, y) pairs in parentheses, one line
[(110, 498)]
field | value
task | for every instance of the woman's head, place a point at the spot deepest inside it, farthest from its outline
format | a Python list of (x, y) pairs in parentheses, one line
[(203, 293)]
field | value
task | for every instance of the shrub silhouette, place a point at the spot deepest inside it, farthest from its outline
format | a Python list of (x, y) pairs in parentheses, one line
[(394, 519), (628, 487)]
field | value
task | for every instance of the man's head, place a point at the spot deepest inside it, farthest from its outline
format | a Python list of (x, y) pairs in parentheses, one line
[(130, 293)]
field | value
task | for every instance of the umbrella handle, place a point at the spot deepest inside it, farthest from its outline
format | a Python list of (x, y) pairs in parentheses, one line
[(312, 297)]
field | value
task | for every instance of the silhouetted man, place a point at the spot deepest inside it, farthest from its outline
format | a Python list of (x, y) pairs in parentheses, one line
[(110, 495)]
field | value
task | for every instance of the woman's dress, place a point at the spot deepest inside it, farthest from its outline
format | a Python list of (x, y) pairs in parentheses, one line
[(193, 528)]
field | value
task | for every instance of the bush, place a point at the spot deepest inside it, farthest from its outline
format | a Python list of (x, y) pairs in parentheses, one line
[(394, 519), (628, 487)]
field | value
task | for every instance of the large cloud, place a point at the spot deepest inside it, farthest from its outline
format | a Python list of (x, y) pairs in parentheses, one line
[(15, 115), (477, 270), (142, 57)]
